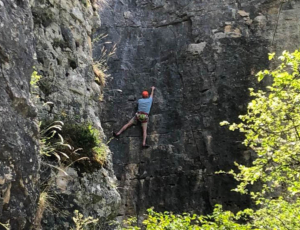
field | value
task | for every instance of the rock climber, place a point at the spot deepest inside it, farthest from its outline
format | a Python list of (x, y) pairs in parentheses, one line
[(142, 115)]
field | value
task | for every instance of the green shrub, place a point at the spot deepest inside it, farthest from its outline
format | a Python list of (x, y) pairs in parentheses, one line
[(82, 223), (218, 220), (82, 135), (87, 140), (72, 142)]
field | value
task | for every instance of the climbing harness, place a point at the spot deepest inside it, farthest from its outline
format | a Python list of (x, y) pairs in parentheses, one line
[(142, 117)]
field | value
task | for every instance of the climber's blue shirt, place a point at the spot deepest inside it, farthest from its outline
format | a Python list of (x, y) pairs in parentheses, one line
[(145, 104)]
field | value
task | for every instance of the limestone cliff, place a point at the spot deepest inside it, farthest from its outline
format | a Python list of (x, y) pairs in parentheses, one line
[(54, 38), (19, 131), (63, 31), (201, 56)]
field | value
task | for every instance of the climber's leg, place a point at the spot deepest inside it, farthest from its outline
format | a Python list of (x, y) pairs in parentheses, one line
[(144, 127), (133, 121)]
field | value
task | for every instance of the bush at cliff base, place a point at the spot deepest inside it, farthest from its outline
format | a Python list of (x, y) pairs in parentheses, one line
[(272, 130)]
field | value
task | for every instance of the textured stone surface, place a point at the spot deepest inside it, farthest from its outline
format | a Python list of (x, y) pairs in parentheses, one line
[(63, 31), (201, 56), (64, 59), (93, 194), (19, 132)]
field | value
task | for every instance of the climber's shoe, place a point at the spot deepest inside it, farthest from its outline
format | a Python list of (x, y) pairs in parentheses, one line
[(115, 135), (145, 146)]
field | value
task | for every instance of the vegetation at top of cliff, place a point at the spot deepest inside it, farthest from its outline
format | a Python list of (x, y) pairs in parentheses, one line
[(272, 129)]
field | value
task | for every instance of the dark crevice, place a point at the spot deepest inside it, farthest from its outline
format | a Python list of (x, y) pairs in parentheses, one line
[(3, 56), (20, 3), (186, 19), (204, 90), (72, 64)]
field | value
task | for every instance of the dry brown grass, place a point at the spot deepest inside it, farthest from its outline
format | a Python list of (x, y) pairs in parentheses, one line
[(42, 206), (100, 76), (100, 66), (5, 226)]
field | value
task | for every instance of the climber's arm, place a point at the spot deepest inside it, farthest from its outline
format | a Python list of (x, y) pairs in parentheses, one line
[(152, 91)]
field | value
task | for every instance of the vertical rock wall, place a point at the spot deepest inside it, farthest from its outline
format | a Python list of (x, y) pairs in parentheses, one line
[(53, 37), (19, 132), (201, 56), (63, 32)]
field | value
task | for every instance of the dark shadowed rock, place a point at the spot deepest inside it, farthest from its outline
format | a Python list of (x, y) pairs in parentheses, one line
[(19, 187), (201, 56)]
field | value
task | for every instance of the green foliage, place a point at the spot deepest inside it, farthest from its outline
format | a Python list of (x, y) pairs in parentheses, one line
[(35, 77), (87, 140), (73, 143), (131, 224), (271, 127), (82, 223), (168, 220), (277, 213), (100, 153), (82, 135), (219, 219)]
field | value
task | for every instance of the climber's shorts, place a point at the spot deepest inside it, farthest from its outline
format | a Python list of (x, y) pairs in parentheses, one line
[(141, 117)]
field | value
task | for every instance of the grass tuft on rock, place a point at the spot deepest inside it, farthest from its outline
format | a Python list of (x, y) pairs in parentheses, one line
[(100, 76), (87, 140), (74, 144)]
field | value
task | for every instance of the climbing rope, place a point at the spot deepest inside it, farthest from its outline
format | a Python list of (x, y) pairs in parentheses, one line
[(276, 25)]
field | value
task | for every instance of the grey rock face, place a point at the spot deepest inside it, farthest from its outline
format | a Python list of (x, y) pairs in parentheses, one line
[(19, 132), (201, 56), (63, 31)]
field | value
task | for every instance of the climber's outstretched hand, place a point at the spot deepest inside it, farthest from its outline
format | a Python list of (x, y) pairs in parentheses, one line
[(152, 91)]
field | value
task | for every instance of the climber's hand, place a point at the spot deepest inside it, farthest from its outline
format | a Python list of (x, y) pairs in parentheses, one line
[(152, 87)]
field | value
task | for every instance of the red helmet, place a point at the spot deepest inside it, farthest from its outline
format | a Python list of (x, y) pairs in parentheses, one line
[(145, 94)]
